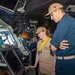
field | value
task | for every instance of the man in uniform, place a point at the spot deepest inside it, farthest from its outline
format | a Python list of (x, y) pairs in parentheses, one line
[(65, 30)]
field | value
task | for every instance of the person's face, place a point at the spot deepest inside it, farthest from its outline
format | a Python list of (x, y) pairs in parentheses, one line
[(55, 16), (40, 35)]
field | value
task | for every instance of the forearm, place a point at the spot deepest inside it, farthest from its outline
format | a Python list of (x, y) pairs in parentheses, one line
[(63, 45), (53, 48), (36, 60), (54, 62)]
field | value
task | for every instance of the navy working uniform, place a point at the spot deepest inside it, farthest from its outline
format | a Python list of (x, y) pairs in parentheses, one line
[(65, 59)]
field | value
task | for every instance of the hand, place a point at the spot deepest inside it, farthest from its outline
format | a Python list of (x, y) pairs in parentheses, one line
[(64, 44), (30, 67)]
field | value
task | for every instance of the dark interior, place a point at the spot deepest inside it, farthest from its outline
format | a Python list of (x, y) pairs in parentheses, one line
[(33, 10)]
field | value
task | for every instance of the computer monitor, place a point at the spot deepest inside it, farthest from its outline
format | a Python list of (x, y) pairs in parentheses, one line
[(12, 61)]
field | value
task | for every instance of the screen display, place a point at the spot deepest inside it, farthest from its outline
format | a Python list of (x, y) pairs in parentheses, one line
[(12, 60), (10, 4)]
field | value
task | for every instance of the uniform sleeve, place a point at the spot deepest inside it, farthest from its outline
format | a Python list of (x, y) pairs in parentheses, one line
[(60, 33), (38, 43)]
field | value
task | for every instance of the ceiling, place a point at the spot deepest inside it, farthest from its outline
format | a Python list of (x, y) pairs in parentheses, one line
[(38, 8), (33, 9)]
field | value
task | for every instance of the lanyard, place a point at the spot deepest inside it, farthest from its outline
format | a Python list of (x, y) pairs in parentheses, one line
[(42, 44)]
